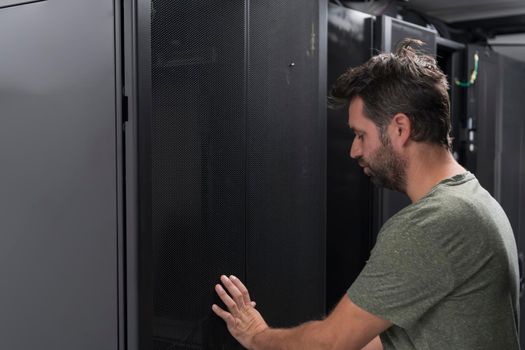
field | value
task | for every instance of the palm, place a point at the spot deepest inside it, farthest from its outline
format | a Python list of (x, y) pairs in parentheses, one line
[(244, 322)]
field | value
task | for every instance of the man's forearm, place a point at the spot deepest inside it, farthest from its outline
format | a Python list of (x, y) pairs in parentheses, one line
[(306, 336), (347, 327)]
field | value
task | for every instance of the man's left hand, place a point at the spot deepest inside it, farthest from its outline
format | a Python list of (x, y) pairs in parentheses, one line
[(242, 319)]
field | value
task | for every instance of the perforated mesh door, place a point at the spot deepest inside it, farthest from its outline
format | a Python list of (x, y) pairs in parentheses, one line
[(286, 162), (198, 162)]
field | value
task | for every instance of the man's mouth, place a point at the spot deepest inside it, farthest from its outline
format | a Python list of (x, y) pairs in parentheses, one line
[(364, 165)]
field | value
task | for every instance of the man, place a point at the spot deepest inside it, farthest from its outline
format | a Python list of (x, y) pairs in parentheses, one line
[(443, 273)]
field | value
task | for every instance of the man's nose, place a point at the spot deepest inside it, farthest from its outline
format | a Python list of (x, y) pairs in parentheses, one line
[(355, 150)]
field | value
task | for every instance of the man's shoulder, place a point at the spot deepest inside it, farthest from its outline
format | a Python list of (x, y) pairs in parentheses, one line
[(430, 212), (457, 223), (444, 208), (433, 222)]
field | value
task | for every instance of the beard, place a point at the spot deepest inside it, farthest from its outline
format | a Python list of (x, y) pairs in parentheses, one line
[(386, 168)]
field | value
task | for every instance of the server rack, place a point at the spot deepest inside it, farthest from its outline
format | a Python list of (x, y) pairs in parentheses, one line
[(85, 148), (147, 148), (226, 138), (495, 137)]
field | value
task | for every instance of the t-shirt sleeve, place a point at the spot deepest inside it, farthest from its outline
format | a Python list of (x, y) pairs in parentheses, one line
[(405, 277)]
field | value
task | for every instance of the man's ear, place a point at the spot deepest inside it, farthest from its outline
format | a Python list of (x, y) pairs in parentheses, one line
[(401, 129)]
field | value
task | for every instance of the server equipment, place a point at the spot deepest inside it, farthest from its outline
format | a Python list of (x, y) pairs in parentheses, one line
[(148, 147)]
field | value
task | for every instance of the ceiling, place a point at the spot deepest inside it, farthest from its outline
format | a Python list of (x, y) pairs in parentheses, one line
[(466, 10), (485, 14)]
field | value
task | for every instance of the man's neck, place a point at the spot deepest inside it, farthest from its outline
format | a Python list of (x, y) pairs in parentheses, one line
[(428, 166)]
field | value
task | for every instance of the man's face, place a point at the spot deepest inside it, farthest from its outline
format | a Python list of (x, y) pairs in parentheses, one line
[(374, 153)]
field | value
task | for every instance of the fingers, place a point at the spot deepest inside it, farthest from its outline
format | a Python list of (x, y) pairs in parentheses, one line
[(236, 296), (226, 316), (234, 291), (226, 299), (244, 322), (244, 291)]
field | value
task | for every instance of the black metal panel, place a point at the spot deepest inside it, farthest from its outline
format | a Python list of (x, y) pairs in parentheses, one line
[(490, 27), (349, 190), (483, 109), (390, 31), (58, 183), (510, 152), (197, 165), (496, 146), (286, 167), (510, 155), (231, 165), (451, 59)]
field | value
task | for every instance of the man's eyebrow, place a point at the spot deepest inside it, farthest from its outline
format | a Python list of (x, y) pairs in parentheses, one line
[(354, 129)]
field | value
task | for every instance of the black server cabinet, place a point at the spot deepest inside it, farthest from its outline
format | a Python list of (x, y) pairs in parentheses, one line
[(484, 107), (510, 159), (451, 58), (495, 137), (225, 164)]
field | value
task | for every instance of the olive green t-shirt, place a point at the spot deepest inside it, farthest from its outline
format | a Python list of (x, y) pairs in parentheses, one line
[(444, 271)]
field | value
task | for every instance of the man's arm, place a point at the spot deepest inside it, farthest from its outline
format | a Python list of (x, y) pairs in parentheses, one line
[(347, 327)]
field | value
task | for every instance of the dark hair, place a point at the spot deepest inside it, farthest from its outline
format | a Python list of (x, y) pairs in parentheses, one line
[(406, 81)]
